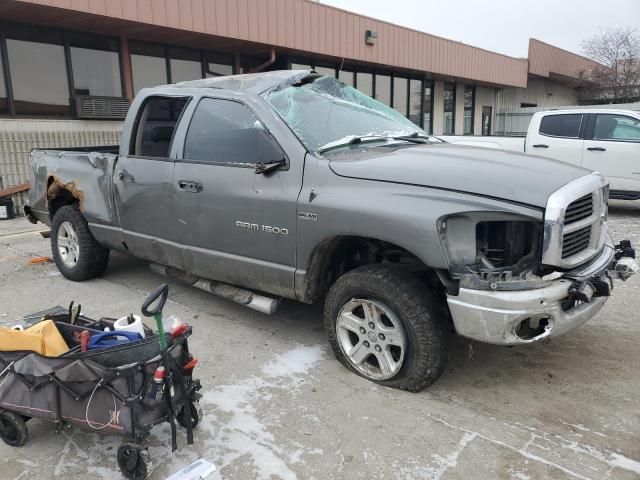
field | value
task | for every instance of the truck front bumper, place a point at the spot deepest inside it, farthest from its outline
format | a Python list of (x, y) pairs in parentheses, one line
[(505, 317)]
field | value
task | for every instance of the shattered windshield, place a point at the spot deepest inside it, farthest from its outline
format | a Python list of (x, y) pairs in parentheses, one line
[(325, 114)]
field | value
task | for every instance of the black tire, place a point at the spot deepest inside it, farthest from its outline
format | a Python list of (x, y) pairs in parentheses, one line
[(13, 430), (92, 258), (132, 462), (195, 417), (419, 311)]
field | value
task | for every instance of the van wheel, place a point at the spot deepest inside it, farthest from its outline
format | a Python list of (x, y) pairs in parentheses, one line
[(386, 326), (76, 252)]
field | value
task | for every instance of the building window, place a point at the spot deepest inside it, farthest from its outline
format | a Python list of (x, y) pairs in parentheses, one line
[(346, 77), (364, 83), (383, 89), (528, 105), (400, 94), (300, 66), (218, 64), (469, 107), (415, 101), (329, 72), (148, 65), (185, 65), (449, 108), (38, 72), (96, 65), (4, 99), (427, 107)]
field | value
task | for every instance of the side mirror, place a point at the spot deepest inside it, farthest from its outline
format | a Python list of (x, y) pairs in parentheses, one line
[(266, 168)]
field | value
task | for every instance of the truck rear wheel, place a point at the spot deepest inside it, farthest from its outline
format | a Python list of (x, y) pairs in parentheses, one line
[(385, 325), (76, 252)]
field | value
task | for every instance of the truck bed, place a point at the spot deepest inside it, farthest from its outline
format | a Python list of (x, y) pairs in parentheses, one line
[(73, 171)]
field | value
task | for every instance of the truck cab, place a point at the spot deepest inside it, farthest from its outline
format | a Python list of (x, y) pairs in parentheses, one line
[(602, 140)]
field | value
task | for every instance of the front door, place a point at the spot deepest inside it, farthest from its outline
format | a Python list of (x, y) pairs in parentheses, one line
[(238, 226), (143, 182), (612, 148), (486, 121)]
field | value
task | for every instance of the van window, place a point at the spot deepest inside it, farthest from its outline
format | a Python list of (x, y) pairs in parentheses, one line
[(561, 125), (616, 127), (228, 132), (156, 125)]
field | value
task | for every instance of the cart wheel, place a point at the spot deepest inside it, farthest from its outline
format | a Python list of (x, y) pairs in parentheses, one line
[(131, 461), (12, 429), (196, 415)]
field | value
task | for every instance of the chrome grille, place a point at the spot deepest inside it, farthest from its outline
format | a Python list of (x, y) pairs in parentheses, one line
[(574, 222), (575, 242), (579, 210)]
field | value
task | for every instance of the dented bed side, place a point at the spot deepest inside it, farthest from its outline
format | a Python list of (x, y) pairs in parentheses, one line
[(60, 177)]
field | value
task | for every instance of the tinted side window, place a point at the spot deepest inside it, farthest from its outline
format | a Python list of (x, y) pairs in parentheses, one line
[(616, 127), (561, 125), (224, 131), (156, 125)]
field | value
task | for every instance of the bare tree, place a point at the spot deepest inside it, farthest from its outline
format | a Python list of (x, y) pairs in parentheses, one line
[(618, 49)]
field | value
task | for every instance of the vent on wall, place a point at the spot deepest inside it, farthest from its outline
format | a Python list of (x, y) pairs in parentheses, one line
[(101, 107)]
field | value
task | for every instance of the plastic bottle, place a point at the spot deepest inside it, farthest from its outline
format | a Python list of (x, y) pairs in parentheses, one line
[(157, 385), (175, 326)]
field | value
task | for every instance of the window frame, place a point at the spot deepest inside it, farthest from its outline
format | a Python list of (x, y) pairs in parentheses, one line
[(136, 126), (581, 126), (180, 157), (591, 127)]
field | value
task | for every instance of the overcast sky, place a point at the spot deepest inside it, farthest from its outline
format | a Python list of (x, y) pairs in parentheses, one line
[(503, 26)]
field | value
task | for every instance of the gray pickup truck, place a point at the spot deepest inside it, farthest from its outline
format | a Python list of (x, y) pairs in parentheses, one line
[(293, 185)]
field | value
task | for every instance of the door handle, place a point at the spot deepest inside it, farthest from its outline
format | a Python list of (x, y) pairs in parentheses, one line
[(596, 149), (125, 176), (540, 145), (190, 186)]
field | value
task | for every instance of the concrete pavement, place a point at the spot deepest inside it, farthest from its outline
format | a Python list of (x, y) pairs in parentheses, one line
[(279, 406)]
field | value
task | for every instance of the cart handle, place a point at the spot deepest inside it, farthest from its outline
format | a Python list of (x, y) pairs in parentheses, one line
[(162, 293)]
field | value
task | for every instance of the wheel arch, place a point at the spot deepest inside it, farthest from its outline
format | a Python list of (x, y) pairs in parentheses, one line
[(60, 194), (337, 255)]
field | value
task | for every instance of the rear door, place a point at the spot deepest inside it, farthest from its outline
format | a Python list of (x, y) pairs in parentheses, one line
[(612, 147), (238, 226), (143, 181), (558, 136)]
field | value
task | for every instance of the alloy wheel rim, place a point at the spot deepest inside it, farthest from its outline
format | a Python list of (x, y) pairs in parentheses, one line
[(68, 245), (372, 338)]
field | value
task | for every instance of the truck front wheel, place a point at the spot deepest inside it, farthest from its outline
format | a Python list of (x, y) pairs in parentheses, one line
[(76, 252), (386, 326)]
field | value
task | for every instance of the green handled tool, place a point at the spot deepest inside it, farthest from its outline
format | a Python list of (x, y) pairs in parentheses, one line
[(160, 295)]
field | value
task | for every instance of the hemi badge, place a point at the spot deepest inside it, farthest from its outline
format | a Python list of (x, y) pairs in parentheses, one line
[(310, 217)]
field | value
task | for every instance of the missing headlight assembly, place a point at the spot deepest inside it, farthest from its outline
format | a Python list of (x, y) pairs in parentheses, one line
[(493, 250)]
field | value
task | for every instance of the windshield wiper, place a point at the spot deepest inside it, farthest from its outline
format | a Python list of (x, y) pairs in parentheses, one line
[(415, 137), (352, 140)]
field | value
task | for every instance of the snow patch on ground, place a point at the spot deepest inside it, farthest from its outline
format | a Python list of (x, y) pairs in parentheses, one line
[(236, 430)]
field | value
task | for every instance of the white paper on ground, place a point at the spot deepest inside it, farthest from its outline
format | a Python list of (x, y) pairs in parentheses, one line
[(199, 469)]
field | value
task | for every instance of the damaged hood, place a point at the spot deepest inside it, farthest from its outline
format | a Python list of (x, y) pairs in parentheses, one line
[(513, 176)]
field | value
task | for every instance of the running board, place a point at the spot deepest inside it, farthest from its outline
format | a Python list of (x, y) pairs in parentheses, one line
[(237, 295)]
